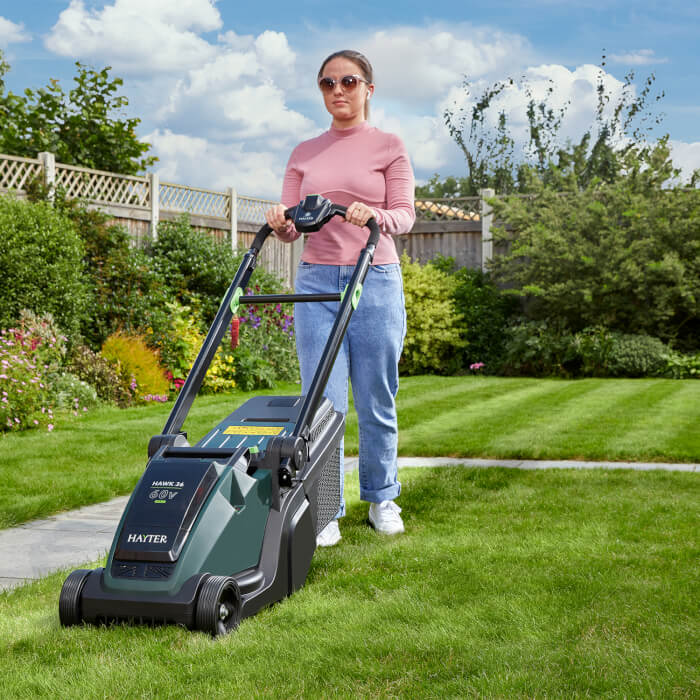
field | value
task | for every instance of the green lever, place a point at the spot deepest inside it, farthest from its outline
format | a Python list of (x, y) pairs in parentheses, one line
[(235, 300)]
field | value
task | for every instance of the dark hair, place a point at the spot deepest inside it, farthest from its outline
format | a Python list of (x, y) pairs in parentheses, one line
[(362, 63)]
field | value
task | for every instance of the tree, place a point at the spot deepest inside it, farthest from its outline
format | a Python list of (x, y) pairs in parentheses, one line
[(86, 126), (488, 151), (449, 187), (496, 159)]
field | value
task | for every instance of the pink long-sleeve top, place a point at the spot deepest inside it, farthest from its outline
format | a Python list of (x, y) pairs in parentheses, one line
[(360, 164)]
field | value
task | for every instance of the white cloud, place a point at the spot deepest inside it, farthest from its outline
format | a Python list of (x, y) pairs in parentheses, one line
[(573, 90), (427, 140), (196, 161), (238, 95), (136, 36), (421, 63), (685, 156), (11, 33), (643, 57)]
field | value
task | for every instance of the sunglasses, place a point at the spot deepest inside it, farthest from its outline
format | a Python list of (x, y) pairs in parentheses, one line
[(348, 83)]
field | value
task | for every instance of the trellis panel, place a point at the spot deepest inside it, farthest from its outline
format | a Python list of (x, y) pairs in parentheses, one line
[(16, 172), (100, 186), (194, 200)]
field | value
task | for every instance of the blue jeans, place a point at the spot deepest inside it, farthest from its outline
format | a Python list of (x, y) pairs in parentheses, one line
[(369, 357)]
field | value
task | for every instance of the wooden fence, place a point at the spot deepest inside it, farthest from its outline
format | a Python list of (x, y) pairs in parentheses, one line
[(458, 227)]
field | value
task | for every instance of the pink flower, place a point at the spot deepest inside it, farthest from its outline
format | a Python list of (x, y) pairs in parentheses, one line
[(84, 409), (49, 427), (36, 422)]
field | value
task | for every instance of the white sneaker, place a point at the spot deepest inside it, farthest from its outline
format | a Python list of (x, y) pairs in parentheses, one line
[(385, 518), (329, 536)]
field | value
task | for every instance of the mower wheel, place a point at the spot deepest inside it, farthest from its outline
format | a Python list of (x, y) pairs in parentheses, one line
[(218, 606), (69, 612)]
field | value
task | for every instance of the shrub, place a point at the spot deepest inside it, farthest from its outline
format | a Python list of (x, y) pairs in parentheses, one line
[(41, 264), (266, 353), (24, 394), (99, 373), (70, 392), (43, 335), (624, 255), (433, 339), (679, 366), (194, 263), (180, 346), (532, 348), (138, 363), (126, 293), (636, 356), (222, 371), (179, 343), (537, 349), (485, 311)]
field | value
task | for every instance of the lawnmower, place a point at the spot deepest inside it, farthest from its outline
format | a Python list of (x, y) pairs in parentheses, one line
[(215, 531)]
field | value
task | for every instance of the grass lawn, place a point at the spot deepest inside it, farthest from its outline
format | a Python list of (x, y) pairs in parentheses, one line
[(103, 454), (506, 584)]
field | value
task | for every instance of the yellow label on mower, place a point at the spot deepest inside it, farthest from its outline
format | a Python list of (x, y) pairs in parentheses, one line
[(253, 430)]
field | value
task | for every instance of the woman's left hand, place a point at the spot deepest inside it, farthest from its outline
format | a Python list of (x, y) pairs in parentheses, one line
[(358, 214)]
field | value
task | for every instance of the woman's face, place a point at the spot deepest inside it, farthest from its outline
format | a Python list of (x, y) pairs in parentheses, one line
[(346, 107)]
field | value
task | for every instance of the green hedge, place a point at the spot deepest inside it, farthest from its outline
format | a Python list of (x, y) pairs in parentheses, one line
[(41, 265), (535, 348), (625, 256)]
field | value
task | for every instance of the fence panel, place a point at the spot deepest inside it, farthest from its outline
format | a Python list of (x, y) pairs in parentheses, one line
[(102, 187), (452, 209), (251, 210), (16, 172), (194, 200), (463, 246)]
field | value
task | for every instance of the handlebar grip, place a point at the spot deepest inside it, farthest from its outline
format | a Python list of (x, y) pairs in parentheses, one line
[(261, 237), (373, 232), (371, 224)]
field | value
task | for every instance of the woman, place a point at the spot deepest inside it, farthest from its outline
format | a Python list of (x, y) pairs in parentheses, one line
[(368, 171)]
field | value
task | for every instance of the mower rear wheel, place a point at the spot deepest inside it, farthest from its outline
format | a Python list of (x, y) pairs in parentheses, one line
[(69, 612), (218, 606)]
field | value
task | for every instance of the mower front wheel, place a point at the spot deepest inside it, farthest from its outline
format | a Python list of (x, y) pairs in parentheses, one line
[(69, 612), (218, 606)]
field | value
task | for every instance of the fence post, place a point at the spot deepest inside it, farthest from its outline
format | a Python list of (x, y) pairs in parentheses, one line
[(233, 198), (295, 250), (154, 184), (48, 163), (486, 223)]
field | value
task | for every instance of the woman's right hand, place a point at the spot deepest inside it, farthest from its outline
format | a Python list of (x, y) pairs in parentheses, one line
[(276, 220)]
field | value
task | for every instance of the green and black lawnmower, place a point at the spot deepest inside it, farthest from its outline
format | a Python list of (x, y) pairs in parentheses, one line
[(215, 531)]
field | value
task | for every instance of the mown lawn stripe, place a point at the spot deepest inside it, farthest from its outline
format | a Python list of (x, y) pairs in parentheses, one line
[(670, 413), (471, 427), (572, 424)]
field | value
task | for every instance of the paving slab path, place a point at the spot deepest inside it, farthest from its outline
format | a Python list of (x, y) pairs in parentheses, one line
[(37, 548)]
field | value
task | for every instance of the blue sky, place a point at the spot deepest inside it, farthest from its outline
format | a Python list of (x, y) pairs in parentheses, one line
[(225, 90)]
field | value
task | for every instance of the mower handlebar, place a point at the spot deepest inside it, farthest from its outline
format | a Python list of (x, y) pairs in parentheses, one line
[(335, 210)]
